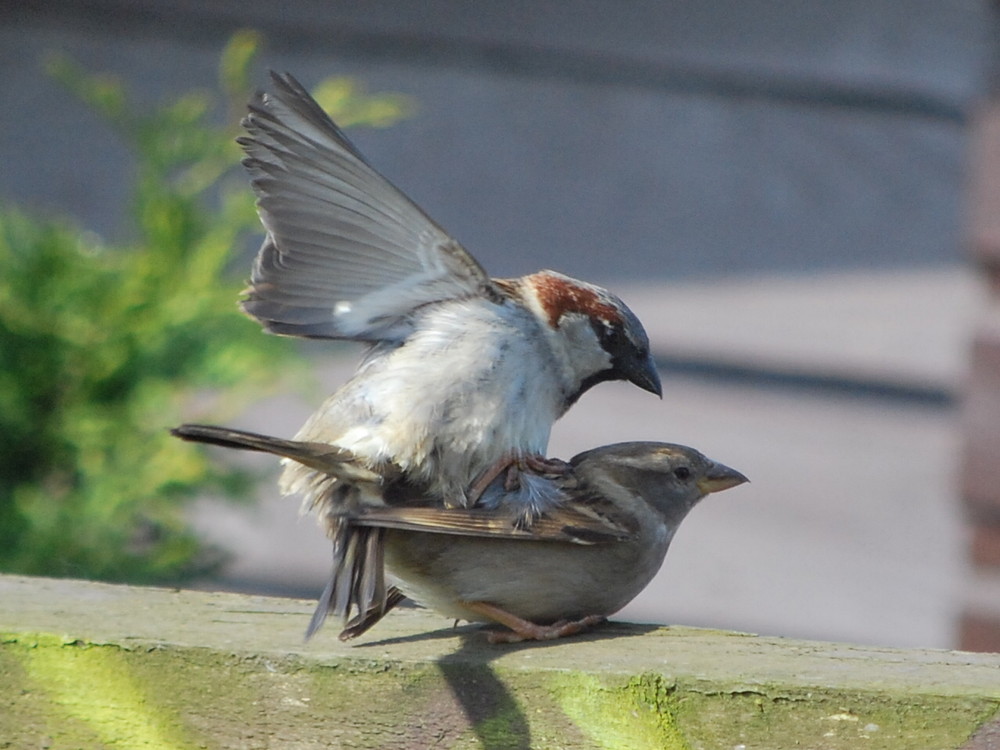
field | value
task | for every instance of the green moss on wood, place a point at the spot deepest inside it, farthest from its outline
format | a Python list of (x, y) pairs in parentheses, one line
[(76, 694), (231, 671), (637, 714), (825, 719)]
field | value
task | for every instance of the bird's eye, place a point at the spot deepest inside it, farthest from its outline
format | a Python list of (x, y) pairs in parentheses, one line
[(682, 472)]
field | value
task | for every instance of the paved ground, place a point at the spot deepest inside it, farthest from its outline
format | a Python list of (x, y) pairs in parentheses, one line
[(850, 529)]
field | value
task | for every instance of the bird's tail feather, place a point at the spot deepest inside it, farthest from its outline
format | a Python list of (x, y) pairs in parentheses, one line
[(321, 457), (356, 592), (357, 587), (365, 620)]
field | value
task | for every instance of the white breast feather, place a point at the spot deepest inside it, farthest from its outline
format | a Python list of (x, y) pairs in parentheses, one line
[(468, 388)]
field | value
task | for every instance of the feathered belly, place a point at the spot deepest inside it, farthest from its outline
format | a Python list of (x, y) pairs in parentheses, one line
[(448, 442), (443, 410)]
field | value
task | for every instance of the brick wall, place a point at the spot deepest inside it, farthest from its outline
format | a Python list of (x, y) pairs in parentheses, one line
[(979, 628)]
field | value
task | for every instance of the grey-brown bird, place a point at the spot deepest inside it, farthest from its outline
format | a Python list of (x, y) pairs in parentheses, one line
[(595, 547)]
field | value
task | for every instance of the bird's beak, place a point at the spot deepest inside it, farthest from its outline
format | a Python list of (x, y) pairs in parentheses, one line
[(642, 372), (720, 477)]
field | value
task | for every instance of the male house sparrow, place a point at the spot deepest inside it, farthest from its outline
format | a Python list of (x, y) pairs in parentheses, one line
[(466, 374), (597, 544)]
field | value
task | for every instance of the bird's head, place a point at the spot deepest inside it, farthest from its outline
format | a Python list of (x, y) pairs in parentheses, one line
[(594, 334), (671, 478)]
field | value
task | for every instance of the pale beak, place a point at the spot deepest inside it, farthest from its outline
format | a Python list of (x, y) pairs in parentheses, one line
[(720, 477)]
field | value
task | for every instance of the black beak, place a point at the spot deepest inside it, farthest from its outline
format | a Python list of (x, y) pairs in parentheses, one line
[(642, 372)]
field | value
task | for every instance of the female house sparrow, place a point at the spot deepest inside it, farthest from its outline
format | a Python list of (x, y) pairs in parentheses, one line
[(541, 585), (599, 542), (466, 374)]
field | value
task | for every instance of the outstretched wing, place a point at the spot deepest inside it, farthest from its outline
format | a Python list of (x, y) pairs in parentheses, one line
[(347, 255)]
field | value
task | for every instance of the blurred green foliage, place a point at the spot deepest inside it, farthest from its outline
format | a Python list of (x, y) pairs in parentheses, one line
[(102, 347)]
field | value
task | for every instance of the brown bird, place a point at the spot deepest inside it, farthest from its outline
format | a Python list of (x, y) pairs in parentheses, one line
[(600, 541)]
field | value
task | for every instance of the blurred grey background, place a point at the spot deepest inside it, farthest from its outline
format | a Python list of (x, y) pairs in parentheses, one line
[(775, 187)]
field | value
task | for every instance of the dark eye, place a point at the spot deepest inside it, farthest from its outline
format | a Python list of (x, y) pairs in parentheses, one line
[(612, 337), (682, 473)]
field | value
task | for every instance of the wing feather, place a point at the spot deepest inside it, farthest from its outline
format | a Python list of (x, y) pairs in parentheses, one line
[(346, 255), (565, 523)]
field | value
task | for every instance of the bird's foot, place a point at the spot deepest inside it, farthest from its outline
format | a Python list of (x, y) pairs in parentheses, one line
[(485, 479), (525, 630), (547, 632), (555, 467), (536, 464), (514, 467)]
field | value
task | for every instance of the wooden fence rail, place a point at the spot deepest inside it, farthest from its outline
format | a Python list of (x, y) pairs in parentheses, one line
[(86, 665)]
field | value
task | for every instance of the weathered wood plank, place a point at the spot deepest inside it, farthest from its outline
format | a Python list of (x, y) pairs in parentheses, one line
[(92, 666)]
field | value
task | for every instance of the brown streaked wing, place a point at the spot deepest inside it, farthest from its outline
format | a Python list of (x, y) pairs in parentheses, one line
[(574, 523)]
